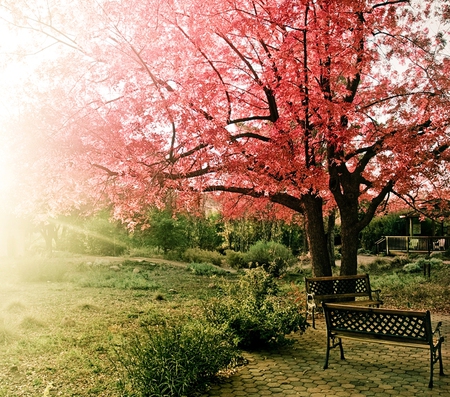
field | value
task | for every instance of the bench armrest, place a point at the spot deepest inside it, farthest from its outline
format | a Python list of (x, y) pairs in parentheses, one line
[(310, 301), (377, 293), (437, 331)]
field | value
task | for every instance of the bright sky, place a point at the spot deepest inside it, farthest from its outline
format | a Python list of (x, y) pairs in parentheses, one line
[(11, 76)]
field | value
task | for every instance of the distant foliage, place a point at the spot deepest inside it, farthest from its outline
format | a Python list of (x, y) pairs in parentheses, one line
[(174, 360), (103, 237), (386, 225), (254, 311), (240, 234), (167, 231), (95, 235)]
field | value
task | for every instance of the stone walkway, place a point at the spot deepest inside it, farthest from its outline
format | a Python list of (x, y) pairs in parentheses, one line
[(370, 369)]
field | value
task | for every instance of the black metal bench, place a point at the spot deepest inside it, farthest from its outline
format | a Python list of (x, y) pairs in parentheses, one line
[(398, 327), (350, 290)]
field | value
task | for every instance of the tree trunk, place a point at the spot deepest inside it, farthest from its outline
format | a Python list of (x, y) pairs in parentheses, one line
[(330, 237), (349, 260), (315, 231)]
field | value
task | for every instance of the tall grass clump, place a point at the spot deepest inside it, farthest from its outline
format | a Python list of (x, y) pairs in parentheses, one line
[(174, 360), (254, 311)]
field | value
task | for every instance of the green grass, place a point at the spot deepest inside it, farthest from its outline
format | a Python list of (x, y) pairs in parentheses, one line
[(61, 319), (403, 289)]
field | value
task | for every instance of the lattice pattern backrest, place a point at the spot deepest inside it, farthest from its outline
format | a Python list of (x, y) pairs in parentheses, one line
[(373, 322), (350, 286), (321, 287), (338, 286)]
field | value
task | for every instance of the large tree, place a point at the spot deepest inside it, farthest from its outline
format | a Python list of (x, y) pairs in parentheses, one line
[(306, 104)]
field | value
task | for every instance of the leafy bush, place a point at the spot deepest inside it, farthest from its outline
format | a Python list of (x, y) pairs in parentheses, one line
[(412, 268), (205, 269), (199, 255), (174, 360), (274, 258), (418, 265), (254, 311), (236, 260)]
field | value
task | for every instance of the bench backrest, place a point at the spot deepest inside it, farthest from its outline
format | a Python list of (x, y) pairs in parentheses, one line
[(349, 286), (387, 324)]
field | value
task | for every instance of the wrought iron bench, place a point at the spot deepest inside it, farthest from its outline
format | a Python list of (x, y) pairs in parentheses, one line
[(348, 290), (398, 327)]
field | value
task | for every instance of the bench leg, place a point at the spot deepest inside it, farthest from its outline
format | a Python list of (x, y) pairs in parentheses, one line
[(331, 344), (441, 366), (430, 384), (342, 349), (325, 366)]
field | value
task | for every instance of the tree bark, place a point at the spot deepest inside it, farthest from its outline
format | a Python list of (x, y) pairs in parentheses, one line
[(350, 243), (315, 231), (330, 237)]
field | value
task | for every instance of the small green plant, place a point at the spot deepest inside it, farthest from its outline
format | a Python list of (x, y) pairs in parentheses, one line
[(254, 311), (273, 257), (174, 360), (205, 269)]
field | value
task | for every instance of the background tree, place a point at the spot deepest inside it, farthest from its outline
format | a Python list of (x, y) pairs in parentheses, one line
[(303, 104)]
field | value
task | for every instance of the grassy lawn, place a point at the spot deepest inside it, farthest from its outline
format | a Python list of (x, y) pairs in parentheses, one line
[(63, 320)]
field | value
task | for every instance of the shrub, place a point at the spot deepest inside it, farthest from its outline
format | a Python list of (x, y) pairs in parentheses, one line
[(205, 269), (418, 265), (254, 312), (199, 255), (236, 260), (412, 268), (274, 258), (174, 360)]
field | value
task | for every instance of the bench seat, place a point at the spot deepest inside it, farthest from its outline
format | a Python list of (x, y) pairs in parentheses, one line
[(396, 327)]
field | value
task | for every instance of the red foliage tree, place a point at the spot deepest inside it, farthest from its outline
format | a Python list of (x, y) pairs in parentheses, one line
[(300, 103)]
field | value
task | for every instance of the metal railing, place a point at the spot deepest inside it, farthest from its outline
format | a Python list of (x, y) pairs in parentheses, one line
[(408, 244)]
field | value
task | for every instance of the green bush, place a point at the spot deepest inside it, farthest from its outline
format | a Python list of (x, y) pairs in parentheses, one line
[(199, 255), (273, 257), (236, 260), (205, 269), (174, 360), (418, 265), (254, 311)]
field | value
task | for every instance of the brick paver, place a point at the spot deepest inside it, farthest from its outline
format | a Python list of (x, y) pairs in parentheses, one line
[(370, 369)]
